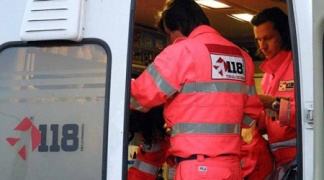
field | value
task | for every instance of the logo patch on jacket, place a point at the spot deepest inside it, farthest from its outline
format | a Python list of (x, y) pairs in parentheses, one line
[(228, 67), (286, 85), (202, 168)]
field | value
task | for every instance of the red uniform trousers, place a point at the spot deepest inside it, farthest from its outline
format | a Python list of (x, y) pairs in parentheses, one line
[(218, 168)]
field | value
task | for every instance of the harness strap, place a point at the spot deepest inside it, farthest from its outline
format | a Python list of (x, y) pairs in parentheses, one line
[(283, 144)]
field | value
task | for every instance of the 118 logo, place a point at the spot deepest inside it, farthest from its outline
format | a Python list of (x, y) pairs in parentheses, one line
[(64, 138)]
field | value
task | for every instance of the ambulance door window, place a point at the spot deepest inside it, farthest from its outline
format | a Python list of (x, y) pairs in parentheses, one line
[(53, 113)]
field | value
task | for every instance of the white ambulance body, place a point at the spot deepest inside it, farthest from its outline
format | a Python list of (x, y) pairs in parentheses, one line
[(74, 93), (64, 88)]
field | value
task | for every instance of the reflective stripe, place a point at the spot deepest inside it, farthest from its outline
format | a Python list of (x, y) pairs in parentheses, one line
[(160, 82), (151, 148), (136, 105), (193, 87), (283, 144), (252, 91), (218, 87), (248, 121), (198, 128), (145, 167), (199, 86)]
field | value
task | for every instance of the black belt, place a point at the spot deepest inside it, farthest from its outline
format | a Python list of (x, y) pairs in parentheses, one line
[(192, 157)]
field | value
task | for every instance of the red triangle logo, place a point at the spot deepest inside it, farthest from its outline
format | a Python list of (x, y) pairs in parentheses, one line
[(22, 152), (12, 141), (24, 125)]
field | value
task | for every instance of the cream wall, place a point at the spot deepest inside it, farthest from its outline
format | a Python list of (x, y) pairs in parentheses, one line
[(257, 75)]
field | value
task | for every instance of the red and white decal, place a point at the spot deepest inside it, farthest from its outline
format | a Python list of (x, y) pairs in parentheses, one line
[(228, 67), (286, 85)]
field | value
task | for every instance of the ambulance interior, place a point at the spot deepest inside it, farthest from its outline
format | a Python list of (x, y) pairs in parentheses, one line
[(148, 42)]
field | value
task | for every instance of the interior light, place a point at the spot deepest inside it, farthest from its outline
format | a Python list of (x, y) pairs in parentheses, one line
[(212, 4), (242, 16)]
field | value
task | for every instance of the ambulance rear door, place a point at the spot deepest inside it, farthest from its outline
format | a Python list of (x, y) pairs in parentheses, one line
[(64, 82), (307, 27)]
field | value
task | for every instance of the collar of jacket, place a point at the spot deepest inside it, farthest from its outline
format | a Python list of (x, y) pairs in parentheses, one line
[(202, 29), (197, 31), (272, 65)]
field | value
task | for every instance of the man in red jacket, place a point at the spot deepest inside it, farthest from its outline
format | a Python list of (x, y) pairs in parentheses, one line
[(271, 31), (206, 83)]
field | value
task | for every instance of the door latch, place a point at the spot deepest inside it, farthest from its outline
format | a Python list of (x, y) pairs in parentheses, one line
[(309, 107)]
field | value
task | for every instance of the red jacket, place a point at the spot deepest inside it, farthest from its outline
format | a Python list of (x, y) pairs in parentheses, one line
[(148, 161), (207, 85), (278, 80)]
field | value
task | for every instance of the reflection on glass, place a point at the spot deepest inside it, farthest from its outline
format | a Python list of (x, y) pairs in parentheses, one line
[(58, 70)]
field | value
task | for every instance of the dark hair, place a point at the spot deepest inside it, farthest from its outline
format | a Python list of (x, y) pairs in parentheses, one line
[(280, 23), (183, 15), (149, 124)]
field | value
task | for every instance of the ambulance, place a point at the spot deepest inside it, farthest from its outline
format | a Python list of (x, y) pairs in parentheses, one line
[(65, 71)]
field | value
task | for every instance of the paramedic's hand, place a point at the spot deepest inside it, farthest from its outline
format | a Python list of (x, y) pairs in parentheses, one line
[(267, 100), (167, 130), (247, 134)]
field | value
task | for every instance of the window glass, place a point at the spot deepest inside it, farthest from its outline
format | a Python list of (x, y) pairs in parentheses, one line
[(52, 105)]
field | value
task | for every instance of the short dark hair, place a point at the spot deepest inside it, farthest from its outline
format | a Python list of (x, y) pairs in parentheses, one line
[(280, 23), (183, 15)]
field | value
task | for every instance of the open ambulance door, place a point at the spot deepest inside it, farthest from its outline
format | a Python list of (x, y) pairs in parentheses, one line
[(307, 29)]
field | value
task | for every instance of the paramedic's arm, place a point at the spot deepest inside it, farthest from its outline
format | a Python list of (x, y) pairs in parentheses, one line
[(253, 106), (157, 83), (284, 106), (287, 112)]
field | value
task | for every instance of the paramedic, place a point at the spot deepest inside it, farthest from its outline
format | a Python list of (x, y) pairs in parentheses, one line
[(271, 31), (152, 152), (207, 85)]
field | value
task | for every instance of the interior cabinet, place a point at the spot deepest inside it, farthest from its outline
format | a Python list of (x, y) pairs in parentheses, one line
[(147, 44)]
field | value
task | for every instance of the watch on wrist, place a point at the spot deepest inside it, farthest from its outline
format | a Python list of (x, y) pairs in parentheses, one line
[(276, 104)]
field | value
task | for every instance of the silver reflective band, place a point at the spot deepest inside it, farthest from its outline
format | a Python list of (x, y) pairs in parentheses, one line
[(145, 167), (151, 148), (248, 121), (136, 105), (218, 87), (198, 128), (252, 90), (160, 82), (283, 144)]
